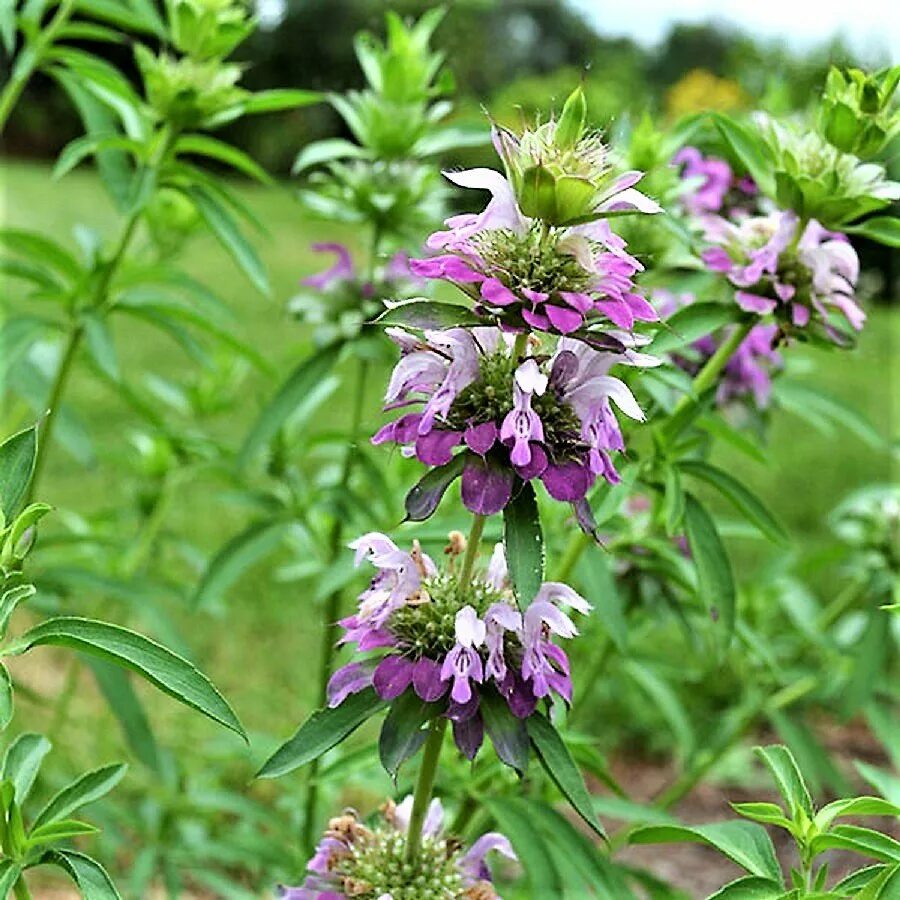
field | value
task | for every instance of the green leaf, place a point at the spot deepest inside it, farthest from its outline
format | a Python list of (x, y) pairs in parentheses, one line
[(172, 674), (85, 789), (744, 843), (6, 697), (746, 503), (87, 873), (17, 456), (240, 553), (10, 599), (325, 729), (863, 841), (9, 875), (524, 544), (764, 813), (222, 224), (594, 571), (404, 731), (22, 761), (298, 385), (8, 35), (673, 501), (212, 148), (59, 831), (508, 733), (513, 815), (667, 704), (881, 229), (101, 345), (326, 151), (788, 778), (860, 879), (41, 250), (422, 313), (424, 496), (279, 99), (854, 806), (751, 888), (93, 144), (690, 323), (749, 147), (715, 580), (560, 766), (118, 691), (873, 883)]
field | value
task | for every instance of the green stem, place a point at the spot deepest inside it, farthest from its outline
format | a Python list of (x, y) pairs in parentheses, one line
[(70, 351), (424, 786), (331, 612), (520, 345), (472, 545), (21, 889), (706, 378), (29, 59)]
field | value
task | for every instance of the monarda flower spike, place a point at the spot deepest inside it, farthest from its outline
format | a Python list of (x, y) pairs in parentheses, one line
[(464, 645), (807, 280), (541, 254), (497, 418), (370, 862)]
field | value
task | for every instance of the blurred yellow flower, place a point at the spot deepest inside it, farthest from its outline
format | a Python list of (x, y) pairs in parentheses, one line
[(700, 90)]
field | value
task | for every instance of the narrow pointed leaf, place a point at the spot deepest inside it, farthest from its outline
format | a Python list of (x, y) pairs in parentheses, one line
[(169, 672), (558, 762), (86, 789), (323, 730), (524, 543), (17, 455), (22, 761)]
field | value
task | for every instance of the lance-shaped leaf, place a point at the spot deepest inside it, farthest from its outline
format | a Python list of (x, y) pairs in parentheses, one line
[(524, 543), (743, 500), (22, 761), (863, 841), (242, 551), (690, 323), (404, 731), (426, 494), (421, 313), (560, 766), (714, 576), (325, 729), (507, 733), (171, 673), (85, 789), (87, 873), (53, 832), (749, 147), (288, 398), (17, 455), (744, 843), (788, 778), (6, 697), (882, 229)]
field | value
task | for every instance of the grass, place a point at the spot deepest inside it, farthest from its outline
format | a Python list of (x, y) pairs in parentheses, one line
[(259, 650)]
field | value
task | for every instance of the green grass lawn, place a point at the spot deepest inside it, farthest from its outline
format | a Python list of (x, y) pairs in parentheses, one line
[(260, 652)]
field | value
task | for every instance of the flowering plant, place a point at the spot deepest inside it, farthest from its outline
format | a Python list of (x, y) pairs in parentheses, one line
[(355, 859)]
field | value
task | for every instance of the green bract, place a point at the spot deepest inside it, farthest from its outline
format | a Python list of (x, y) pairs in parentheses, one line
[(857, 113), (818, 181), (205, 29)]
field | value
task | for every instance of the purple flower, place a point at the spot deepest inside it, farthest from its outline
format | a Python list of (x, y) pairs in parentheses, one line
[(351, 854), (463, 663), (713, 179), (491, 646), (800, 278), (545, 416), (586, 274)]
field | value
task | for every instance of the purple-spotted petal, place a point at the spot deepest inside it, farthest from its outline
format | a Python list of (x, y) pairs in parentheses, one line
[(536, 465)]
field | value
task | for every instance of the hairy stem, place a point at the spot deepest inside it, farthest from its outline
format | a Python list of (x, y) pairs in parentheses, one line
[(333, 603), (424, 786), (706, 378), (70, 351), (29, 59), (472, 545)]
